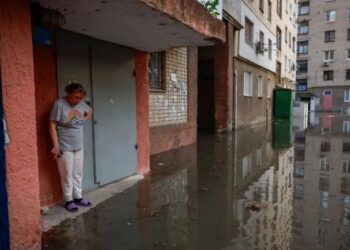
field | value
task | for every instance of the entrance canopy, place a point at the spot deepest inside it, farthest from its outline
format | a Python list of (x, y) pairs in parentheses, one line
[(147, 25)]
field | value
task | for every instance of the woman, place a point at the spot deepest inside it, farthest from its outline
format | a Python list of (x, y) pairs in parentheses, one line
[(66, 131)]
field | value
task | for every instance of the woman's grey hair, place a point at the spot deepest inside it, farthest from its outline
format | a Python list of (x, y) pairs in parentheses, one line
[(75, 87)]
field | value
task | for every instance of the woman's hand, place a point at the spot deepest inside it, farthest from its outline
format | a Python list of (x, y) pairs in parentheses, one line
[(87, 115), (55, 151)]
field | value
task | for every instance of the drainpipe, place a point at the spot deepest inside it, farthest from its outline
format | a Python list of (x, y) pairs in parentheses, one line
[(4, 220)]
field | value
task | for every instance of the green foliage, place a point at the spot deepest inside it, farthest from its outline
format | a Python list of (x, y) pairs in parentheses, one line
[(212, 6)]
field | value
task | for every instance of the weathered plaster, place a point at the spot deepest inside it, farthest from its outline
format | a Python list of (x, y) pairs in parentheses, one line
[(19, 105), (142, 110)]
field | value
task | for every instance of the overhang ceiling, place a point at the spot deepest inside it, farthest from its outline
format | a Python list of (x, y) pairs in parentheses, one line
[(129, 23)]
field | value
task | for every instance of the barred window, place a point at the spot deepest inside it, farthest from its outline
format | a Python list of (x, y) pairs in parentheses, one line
[(156, 71)]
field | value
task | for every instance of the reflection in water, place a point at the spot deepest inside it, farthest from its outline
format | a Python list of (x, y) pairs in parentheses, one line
[(252, 189), (321, 185)]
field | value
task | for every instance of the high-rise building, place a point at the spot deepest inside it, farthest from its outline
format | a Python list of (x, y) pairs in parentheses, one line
[(323, 48)]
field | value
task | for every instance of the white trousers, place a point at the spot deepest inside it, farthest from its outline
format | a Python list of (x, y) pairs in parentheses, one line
[(70, 166)]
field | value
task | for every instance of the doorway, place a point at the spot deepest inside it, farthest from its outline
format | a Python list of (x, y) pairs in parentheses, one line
[(206, 90), (327, 100), (106, 71)]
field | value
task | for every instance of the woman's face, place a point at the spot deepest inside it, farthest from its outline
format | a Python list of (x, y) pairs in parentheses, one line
[(74, 98)]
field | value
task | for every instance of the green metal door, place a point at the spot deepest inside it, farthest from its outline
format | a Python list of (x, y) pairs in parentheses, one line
[(282, 104)]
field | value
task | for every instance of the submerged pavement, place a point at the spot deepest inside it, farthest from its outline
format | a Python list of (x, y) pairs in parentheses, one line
[(279, 186)]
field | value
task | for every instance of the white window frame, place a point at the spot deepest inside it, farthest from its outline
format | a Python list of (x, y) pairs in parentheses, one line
[(270, 50), (345, 166), (330, 16), (260, 86), (324, 164), (347, 95), (327, 56), (269, 89), (246, 165), (346, 127), (247, 84)]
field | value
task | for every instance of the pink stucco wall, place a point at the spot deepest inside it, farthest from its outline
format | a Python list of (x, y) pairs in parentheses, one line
[(16, 54), (142, 110), (45, 95)]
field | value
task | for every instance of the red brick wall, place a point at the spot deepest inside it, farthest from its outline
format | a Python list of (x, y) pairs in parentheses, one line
[(16, 54), (168, 137)]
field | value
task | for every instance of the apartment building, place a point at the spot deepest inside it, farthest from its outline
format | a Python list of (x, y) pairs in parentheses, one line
[(323, 49), (264, 58)]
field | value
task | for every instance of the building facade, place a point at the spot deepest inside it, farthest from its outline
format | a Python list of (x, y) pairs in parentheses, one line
[(264, 57), (324, 55)]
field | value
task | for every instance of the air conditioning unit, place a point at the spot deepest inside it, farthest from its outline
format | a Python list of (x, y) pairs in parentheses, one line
[(259, 46), (326, 64)]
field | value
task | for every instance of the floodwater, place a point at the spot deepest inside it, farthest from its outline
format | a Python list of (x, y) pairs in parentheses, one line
[(280, 186)]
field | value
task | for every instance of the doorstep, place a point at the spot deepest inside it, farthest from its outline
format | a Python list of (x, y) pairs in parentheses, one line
[(54, 215)]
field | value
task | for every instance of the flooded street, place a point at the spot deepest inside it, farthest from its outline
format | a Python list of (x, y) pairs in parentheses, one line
[(284, 185)]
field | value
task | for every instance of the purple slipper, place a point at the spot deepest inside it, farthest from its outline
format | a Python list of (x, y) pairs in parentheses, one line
[(82, 202), (70, 206)]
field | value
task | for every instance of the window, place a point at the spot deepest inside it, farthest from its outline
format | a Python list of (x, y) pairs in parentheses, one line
[(302, 85), (330, 16), (260, 86), (302, 66), (346, 124), (279, 7), (303, 28), (293, 44), (286, 34), (261, 37), (278, 38), (304, 8), (285, 63), (278, 68), (329, 36), (249, 32), (325, 146), (345, 166), (328, 75), (248, 84), (290, 40), (348, 54), (347, 95), (269, 11), (323, 184), (328, 55), (270, 50), (348, 34), (156, 71), (246, 165), (347, 75), (303, 47), (324, 164), (269, 88), (346, 146), (299, 171), (327, 92), (261, 5), (345, 189)]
